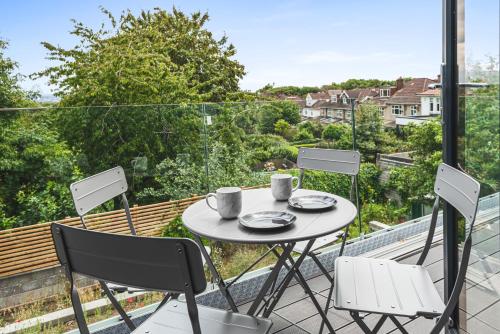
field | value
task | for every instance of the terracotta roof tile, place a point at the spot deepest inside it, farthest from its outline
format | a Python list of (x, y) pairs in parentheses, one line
[(408, 94)]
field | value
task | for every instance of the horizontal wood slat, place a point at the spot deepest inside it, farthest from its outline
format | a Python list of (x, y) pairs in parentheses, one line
[(30, 248)]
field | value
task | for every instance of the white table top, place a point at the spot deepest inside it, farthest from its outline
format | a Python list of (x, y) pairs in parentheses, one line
[(203, 221)]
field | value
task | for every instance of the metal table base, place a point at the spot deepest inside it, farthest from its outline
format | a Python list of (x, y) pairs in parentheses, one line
[(261, 304)]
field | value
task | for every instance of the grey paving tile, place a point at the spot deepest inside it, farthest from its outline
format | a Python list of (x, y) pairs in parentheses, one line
[(301, 309), (490, 316)]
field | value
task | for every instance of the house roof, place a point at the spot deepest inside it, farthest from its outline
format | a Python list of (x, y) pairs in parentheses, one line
[(362, 93), (408, 94), (331, 105), (334, 92), (320, 96), (431, 92)]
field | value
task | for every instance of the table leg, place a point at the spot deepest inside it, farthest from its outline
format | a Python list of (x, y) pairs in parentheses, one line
[(272, 276), (288, 277), (220, 282)]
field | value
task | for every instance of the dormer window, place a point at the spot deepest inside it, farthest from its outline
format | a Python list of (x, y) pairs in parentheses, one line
[(334, 99), (344, 100), (385, 92)]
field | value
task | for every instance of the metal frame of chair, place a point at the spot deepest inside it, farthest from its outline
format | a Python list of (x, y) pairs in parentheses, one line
[(92, 192), (161, 264), (334, 161), (462, 192)]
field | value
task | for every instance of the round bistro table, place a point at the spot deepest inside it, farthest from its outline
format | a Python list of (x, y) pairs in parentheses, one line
[(204, 222)]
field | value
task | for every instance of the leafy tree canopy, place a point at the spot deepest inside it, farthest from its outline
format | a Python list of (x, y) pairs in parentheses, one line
[(270, 90), (154, 57)]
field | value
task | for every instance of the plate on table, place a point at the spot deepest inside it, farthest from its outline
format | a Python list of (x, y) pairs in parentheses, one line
[(312, 202), (267, 220)]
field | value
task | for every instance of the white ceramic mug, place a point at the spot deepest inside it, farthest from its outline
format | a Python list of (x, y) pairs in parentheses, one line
[(282, 186), (228, 202)]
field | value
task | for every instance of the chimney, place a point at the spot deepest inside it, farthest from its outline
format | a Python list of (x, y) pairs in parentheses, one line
[(399, 83), (439, 78)]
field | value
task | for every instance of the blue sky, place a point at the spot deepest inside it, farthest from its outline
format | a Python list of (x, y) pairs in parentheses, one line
[(287, 42)]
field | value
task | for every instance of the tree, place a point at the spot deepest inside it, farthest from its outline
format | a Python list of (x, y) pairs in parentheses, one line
[(303, 134), (281, 127), (155, 57), (370, 135), (289, 111), (11, 94), (36, 169), (314, 128), (415, 183), (333, 132), (269, 115)]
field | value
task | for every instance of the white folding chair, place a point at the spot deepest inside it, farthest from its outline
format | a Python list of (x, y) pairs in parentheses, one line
[(388, 288)]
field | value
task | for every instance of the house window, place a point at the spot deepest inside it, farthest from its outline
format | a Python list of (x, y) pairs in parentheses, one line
[(381, 111), (344, 100), (334, 99), (431, 104), (438, 105), (413, 110), (397, 109), (385, 92), (348, 115)]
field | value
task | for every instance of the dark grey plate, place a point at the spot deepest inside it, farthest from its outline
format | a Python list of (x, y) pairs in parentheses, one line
[(267, 220), (312, 202)]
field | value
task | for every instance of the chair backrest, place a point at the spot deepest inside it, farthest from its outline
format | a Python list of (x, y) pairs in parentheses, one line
[(329, 160), (458, 189), (97, 189), (148, 263), (462, 192)]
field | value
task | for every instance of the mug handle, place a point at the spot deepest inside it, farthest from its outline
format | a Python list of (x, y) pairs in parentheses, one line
[(296, 179), (208, 203)]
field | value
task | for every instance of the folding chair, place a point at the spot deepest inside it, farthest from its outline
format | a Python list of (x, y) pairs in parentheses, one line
[(162, 264), (392, 289), (334, 161), (94, 191)]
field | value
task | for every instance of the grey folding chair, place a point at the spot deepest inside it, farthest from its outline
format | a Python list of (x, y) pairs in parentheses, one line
[(163, 264), (388, 288), (334, 161), (92, 192)]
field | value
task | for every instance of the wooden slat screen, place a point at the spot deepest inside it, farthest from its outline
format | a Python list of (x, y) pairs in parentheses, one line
[(30, 248)]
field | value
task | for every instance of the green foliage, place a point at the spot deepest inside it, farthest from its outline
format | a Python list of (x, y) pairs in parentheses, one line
[(281, 127), (303, 135), (333, 132), (360, 83), (154, 57), (482, 138), (176, 229), (415, 183), (369, 185), (36, 169), (370, 136), (313, 127), (287, 90), (270, 113), (387, 213)]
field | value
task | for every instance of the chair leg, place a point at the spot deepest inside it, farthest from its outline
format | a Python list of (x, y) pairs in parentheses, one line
[(321, 266), (117, 306), (398, 324), (379, 324), (360, 322)]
